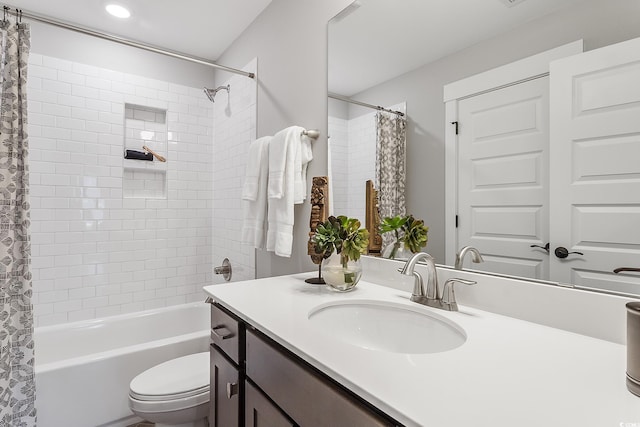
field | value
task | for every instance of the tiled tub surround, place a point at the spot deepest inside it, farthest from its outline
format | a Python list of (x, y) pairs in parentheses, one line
[(234, 130), (101, 357), (95, 252)]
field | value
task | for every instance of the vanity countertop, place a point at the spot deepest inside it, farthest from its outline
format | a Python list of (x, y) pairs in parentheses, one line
[(509, 372)]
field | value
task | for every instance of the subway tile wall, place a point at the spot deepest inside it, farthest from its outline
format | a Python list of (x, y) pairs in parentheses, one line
[(96, 253), (234, 130), (339, 176)]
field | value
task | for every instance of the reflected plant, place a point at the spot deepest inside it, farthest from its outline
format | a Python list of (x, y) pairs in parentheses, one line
[(407, 230)]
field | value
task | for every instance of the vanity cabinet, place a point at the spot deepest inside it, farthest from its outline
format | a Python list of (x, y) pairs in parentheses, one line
[(224, 409), (256, 382)]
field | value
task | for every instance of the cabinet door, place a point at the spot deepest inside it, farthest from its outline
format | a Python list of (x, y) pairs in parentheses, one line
[(225, 392), (259, 411)]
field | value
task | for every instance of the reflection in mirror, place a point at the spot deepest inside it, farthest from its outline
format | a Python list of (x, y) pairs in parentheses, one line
[(353, 154), (428, 45)]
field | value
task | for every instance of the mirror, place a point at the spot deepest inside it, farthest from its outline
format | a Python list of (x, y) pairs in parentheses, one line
[(402, 54)]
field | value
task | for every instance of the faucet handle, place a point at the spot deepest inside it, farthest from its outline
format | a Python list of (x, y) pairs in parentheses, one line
[(448, 295)]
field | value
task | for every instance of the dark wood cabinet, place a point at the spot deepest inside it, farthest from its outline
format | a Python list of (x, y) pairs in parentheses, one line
[(255, 382), (259, 411), (225, 393)]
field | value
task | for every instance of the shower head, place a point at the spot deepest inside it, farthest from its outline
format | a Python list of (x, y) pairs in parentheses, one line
[(211, 93)]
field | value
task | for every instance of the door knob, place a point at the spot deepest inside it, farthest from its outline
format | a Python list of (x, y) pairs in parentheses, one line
[(621, 269), (562, 252), (545, 247)]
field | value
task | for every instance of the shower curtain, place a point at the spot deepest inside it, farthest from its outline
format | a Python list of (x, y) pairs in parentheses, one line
[(390, 165), (17, 381)]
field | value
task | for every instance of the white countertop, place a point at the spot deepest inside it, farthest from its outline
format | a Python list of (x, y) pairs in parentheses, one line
[(508, 372)]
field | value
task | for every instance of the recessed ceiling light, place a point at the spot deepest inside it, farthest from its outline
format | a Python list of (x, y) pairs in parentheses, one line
[(118, 11)]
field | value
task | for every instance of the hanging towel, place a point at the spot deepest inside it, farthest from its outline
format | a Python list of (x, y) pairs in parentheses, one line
[(255, 162), (302, 161), (254, 194), (289, 154)]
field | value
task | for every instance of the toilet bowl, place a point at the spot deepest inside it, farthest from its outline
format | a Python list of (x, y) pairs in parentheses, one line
[(174, 393)]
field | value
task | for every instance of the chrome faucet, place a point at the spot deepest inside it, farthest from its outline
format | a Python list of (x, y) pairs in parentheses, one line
[(431, 297), (475, 256)]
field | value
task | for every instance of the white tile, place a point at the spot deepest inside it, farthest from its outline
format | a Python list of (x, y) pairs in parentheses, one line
[(80, 244)]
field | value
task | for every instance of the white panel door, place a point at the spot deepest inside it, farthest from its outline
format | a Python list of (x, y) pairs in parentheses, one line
[(503, 178), (595, 167)]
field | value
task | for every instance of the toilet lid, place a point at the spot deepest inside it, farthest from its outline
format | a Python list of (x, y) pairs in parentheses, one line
[(182, 377)]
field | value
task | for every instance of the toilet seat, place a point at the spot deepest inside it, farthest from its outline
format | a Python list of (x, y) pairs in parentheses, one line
[(173, 385)]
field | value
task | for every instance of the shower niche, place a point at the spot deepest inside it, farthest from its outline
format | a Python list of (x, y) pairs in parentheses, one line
[(145, 127)]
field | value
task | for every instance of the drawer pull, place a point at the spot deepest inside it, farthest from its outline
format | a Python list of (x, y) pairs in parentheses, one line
[(232, 389), (221, 332)]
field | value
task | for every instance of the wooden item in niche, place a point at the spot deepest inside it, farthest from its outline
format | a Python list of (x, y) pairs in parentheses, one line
[(372, 220), (319, 213)]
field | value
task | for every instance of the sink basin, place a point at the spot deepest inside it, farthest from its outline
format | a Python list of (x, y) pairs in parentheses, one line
[(388, 327)]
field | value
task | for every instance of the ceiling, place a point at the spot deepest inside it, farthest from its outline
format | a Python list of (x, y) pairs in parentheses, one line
[(407, 33), (383, 39), (203, 28)]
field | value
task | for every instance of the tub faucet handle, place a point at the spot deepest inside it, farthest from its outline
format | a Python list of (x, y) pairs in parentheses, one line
[(224, 269)]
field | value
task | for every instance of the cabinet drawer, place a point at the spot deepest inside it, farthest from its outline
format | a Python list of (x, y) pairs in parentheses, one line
[(225, 333), (308, 398)]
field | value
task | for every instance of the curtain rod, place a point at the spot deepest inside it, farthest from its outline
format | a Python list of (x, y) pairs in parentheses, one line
[(363, 104), (117, 39)]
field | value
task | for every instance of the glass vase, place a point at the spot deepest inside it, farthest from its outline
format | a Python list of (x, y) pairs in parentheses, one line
[(397, 250), (340, 274)]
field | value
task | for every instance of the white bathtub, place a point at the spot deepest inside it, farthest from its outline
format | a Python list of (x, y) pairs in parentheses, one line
[(83, 369)]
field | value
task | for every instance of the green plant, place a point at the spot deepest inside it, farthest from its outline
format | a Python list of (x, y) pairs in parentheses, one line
[(342, 235), (408, 230), (415, 234)]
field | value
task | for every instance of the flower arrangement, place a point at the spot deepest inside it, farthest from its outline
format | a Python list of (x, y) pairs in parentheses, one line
[(407, 230), (343, 236)]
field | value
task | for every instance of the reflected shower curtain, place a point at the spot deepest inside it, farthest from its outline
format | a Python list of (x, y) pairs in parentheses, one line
[(390, 166), (17, 381)]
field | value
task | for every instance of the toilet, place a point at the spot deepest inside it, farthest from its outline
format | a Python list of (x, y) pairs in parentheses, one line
[(174, 393)]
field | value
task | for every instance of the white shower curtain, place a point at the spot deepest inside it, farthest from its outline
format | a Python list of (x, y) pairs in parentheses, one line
[(17, 381)]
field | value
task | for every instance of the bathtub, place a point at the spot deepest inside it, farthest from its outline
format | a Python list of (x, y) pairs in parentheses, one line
[(83, 369)]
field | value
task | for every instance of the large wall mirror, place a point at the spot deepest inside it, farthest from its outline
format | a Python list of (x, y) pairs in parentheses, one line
[(400, 56)]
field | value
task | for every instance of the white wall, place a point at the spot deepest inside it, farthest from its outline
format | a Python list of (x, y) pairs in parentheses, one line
[(290, 41), (64, 44), (94, 252), (598, 23)]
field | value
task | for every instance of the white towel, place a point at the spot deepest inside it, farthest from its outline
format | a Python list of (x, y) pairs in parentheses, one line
[(306, 155), (254, 194), (289, 154), (252, 174)]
